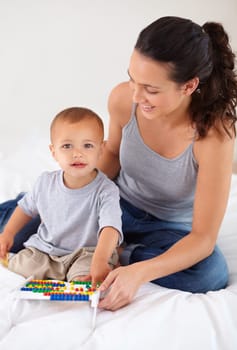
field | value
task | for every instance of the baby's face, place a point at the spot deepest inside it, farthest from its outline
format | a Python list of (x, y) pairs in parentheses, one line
[(77, 148)]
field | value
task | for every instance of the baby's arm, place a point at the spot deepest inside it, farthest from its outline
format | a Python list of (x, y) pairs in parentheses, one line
[(107, 243), (16, 222)]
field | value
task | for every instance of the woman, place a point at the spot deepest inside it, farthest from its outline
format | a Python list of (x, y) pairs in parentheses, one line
[(170, 150)]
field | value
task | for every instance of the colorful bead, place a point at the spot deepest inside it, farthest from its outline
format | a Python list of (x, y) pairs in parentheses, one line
[(59, 290)]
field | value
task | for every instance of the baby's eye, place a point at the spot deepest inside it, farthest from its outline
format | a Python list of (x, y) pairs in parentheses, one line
[(67, 146), (88, 145)]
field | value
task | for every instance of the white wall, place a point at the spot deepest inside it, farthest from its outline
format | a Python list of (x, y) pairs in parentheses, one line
[(59, 53)]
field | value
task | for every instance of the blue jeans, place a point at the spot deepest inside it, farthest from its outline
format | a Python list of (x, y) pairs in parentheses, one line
[(147, 237), (6, 209)]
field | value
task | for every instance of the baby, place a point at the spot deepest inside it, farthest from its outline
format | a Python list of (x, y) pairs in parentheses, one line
[(78, 207)]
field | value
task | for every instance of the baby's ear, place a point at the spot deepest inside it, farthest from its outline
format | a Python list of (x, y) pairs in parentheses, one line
[(103, 146), (51, 148)]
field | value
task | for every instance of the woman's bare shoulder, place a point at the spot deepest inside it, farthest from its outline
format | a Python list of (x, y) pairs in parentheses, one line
[(217, 147), (120, 103)]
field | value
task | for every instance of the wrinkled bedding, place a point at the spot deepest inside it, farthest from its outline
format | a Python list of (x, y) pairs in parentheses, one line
[(158, 318)]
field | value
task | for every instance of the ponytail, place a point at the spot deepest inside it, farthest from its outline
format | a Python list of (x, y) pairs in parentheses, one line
[(215, 101)]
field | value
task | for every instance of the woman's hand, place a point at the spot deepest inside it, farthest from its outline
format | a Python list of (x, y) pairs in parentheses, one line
[(120, 287)]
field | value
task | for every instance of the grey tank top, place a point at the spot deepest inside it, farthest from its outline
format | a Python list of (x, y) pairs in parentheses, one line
[(160, 186)]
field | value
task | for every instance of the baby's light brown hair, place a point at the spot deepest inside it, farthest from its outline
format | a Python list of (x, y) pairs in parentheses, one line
[(75, 115)]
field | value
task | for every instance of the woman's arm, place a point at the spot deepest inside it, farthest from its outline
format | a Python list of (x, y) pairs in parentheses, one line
[(119, 106), (214, 155)]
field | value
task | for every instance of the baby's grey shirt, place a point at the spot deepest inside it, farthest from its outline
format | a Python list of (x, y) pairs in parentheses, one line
[(71, 218)]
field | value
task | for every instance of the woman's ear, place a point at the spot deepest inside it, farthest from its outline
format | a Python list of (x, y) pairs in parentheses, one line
[(190, 86)]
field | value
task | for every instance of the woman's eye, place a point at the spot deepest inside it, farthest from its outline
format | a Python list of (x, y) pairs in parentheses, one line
[(150, 91)]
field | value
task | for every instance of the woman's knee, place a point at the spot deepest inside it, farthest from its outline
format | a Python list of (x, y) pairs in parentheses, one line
[(210, 274)]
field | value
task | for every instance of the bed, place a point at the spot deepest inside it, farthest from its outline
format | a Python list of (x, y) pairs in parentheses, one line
[(158, 318)]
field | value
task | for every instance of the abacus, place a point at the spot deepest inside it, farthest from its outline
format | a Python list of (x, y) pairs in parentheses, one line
[(57, 290), (61, 291)]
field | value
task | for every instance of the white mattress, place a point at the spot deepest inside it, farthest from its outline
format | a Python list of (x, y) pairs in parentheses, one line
[(158, 318)]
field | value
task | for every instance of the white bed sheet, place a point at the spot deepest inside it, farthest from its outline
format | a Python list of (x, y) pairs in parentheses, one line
[(158, 318)]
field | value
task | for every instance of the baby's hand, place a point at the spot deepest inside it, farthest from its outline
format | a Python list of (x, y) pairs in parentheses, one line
[(99, 271), (82, 278), (6, 242), (4, 261)]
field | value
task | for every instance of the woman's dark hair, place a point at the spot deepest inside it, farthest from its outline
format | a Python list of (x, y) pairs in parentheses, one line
[(195, 51)]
